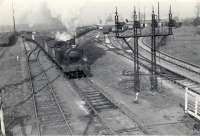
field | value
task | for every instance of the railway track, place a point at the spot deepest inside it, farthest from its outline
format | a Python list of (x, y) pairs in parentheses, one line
[(183, 82), (187, 82), (127, 53), (99, 105), (95, 101), (178, 62), (103, 106), (3, 50), (91, 34), (49, 115)]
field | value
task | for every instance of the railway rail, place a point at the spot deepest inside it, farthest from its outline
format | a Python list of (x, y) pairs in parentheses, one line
[(178, 62), (100, 103), (187, 82), (183, 82), (94, 99), (3, 50), (47, 109)]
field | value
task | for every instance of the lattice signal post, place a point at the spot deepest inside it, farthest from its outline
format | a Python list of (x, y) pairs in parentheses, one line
[(136, 35)]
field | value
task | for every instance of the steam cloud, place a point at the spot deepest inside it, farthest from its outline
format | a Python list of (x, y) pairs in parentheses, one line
[(73, 13), (62, 36), (68, 12), (44, 11), (1, 1)]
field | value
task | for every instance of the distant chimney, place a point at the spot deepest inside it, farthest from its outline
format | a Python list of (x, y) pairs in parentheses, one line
[(13, 14)]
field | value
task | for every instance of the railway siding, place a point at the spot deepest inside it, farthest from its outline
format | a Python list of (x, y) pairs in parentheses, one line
[(48, 110), (188, 82), (114, 118)]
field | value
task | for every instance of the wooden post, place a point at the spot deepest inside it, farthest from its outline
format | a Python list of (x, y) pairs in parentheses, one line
[(196, 105), (2, 122), (3, 131), (33, 36), (137, 97), (186, 99)]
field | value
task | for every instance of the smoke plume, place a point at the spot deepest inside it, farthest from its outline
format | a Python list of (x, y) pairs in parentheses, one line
[(44, 12), (62, 36), (73, 13)]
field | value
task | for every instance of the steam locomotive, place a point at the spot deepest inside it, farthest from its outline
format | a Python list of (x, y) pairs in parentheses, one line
[(67, 55)]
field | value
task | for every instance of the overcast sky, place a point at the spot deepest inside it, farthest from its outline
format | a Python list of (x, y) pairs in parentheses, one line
[(87, 11)]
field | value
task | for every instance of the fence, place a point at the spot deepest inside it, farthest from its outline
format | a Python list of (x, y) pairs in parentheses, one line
[(192, 103)]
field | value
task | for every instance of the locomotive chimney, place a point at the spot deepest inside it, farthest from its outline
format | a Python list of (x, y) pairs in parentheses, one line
[(73, 42)]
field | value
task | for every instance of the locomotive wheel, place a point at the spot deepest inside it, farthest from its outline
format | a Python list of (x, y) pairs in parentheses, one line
[(79, 74), (69, 75), (83, 74), (72, 75), (75, 74)]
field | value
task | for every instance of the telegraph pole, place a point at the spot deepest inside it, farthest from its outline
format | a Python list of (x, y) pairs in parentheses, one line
[(154, 82), (116, 23), (139, 14), (171, 24), (158, 12), (13, 17), (158, 17), (136, 25), (144, 19), (136, 36)]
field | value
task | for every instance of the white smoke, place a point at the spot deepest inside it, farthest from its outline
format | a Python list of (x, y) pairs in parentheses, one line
[(62, 36), (73, 13), (1, 1), (68, 12), (33, 12)]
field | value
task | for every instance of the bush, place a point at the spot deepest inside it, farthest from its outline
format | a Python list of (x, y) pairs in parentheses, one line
[(196, 21)]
